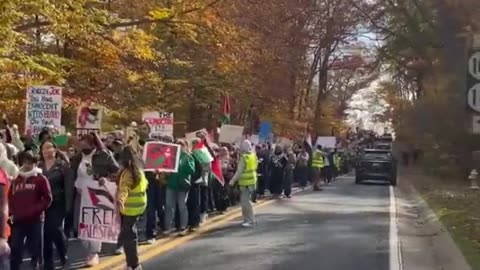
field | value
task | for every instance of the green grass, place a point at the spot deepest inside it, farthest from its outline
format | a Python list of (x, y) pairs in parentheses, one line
[(459, 210)]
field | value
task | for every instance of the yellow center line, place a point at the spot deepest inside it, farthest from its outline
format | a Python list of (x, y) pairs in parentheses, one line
[(164, 245)]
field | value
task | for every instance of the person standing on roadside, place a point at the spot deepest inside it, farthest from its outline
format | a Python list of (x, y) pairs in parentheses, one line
[(60, 177), (93, 163), (262, 170), (131, 203), (28, 199), (302, 167), (289, 168), (4, 228), (178, 185), (318, 165), (278, 162), (246, 176)]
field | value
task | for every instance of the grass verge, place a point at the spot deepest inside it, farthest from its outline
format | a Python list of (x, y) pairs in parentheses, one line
[(458, 208)]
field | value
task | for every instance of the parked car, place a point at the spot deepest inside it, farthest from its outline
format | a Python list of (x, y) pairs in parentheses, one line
[(376, 164)]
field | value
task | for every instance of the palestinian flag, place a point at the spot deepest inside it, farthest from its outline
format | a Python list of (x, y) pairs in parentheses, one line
[(225, 113), (200, 152), (101, 198), (307, 143), (217, 171)]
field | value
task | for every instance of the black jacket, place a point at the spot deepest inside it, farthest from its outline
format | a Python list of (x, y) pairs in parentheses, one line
[(61, 181)]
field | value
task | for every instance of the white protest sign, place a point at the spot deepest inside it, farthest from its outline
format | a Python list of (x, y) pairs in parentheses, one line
[(89, 119), (44, 108), (255, 139), (230, 134), (161, 123), (282, 141), (98, 218), (193, 135), (326, 142)]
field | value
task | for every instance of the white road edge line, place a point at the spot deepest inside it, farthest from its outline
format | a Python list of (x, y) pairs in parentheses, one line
[(395, 249)]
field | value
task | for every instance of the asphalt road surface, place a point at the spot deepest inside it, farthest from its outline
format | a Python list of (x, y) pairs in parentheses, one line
[(344, 227)]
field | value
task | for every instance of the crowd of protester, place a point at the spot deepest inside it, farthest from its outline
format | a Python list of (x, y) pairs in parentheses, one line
[(40, 189)]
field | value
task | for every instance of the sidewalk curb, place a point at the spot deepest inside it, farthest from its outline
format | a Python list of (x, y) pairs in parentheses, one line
[(147, 252)]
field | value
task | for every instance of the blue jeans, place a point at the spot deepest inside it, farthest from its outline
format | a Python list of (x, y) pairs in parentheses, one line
[(155, 205), (4, 263)]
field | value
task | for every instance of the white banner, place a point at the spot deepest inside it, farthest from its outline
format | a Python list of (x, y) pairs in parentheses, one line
[(98, 218), (44, 108)]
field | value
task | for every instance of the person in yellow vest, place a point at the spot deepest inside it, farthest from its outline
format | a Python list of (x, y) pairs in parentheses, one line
[(131, 203), (318, 165), (246, 178), (337, 160)]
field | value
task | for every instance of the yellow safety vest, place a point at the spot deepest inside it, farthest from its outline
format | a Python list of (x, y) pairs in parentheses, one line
[(136, 202), (249, 174), (337, 159), (317, 160)]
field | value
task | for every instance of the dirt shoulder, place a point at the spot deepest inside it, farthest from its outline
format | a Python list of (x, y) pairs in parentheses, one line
[(458, 209)]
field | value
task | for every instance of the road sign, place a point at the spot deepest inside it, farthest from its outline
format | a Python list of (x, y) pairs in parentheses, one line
[(473, 97), (476, 124), (474, 65)]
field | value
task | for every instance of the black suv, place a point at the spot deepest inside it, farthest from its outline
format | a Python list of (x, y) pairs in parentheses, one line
[(376, 164)]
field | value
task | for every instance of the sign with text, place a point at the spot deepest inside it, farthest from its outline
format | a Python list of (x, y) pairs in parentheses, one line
[(160, 156), (98, 219), (161, 123), (89, 119), (231, 134), (44, 108)]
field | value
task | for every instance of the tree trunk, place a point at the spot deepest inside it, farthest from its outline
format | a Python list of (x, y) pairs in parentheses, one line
[(322, 88)]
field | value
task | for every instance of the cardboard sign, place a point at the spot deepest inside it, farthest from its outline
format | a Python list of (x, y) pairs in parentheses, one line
[(326, 142), (98, 216), (160, 156), (230, 134), (44, 108), (89, 119), (161, 123), (193, 135)]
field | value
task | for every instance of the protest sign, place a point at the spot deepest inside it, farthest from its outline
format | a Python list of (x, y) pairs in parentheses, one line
[(89, 119), (231, 134), (326, 142), (265, 131), (193, 135), (98, 218), (160, 156), (160, 123), (255, 139), (44, 108)]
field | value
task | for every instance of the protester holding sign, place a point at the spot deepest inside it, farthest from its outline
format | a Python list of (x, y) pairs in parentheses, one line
[(131, 202), (92, 163), (178, 185)]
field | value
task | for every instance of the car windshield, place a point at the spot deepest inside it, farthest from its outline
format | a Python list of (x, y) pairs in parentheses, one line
[(376, 155)]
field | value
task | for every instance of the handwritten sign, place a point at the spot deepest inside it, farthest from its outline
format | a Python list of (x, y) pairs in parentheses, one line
[(161, 123), (98, 219), (161, 156), (44, 108), (89, 119)]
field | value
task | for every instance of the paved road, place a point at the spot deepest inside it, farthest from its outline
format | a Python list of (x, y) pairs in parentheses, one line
[(345, 227)]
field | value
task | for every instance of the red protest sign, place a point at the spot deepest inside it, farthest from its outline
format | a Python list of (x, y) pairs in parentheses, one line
[(160, 156)]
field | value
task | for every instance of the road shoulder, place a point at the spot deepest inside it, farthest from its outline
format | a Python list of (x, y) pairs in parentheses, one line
[(425, 243)]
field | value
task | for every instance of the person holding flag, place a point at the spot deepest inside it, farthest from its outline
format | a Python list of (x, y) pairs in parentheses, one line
[(246, 177)]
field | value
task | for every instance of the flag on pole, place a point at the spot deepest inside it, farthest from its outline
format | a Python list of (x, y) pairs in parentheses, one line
[(217, 171), (307, 142), (225, 117)]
